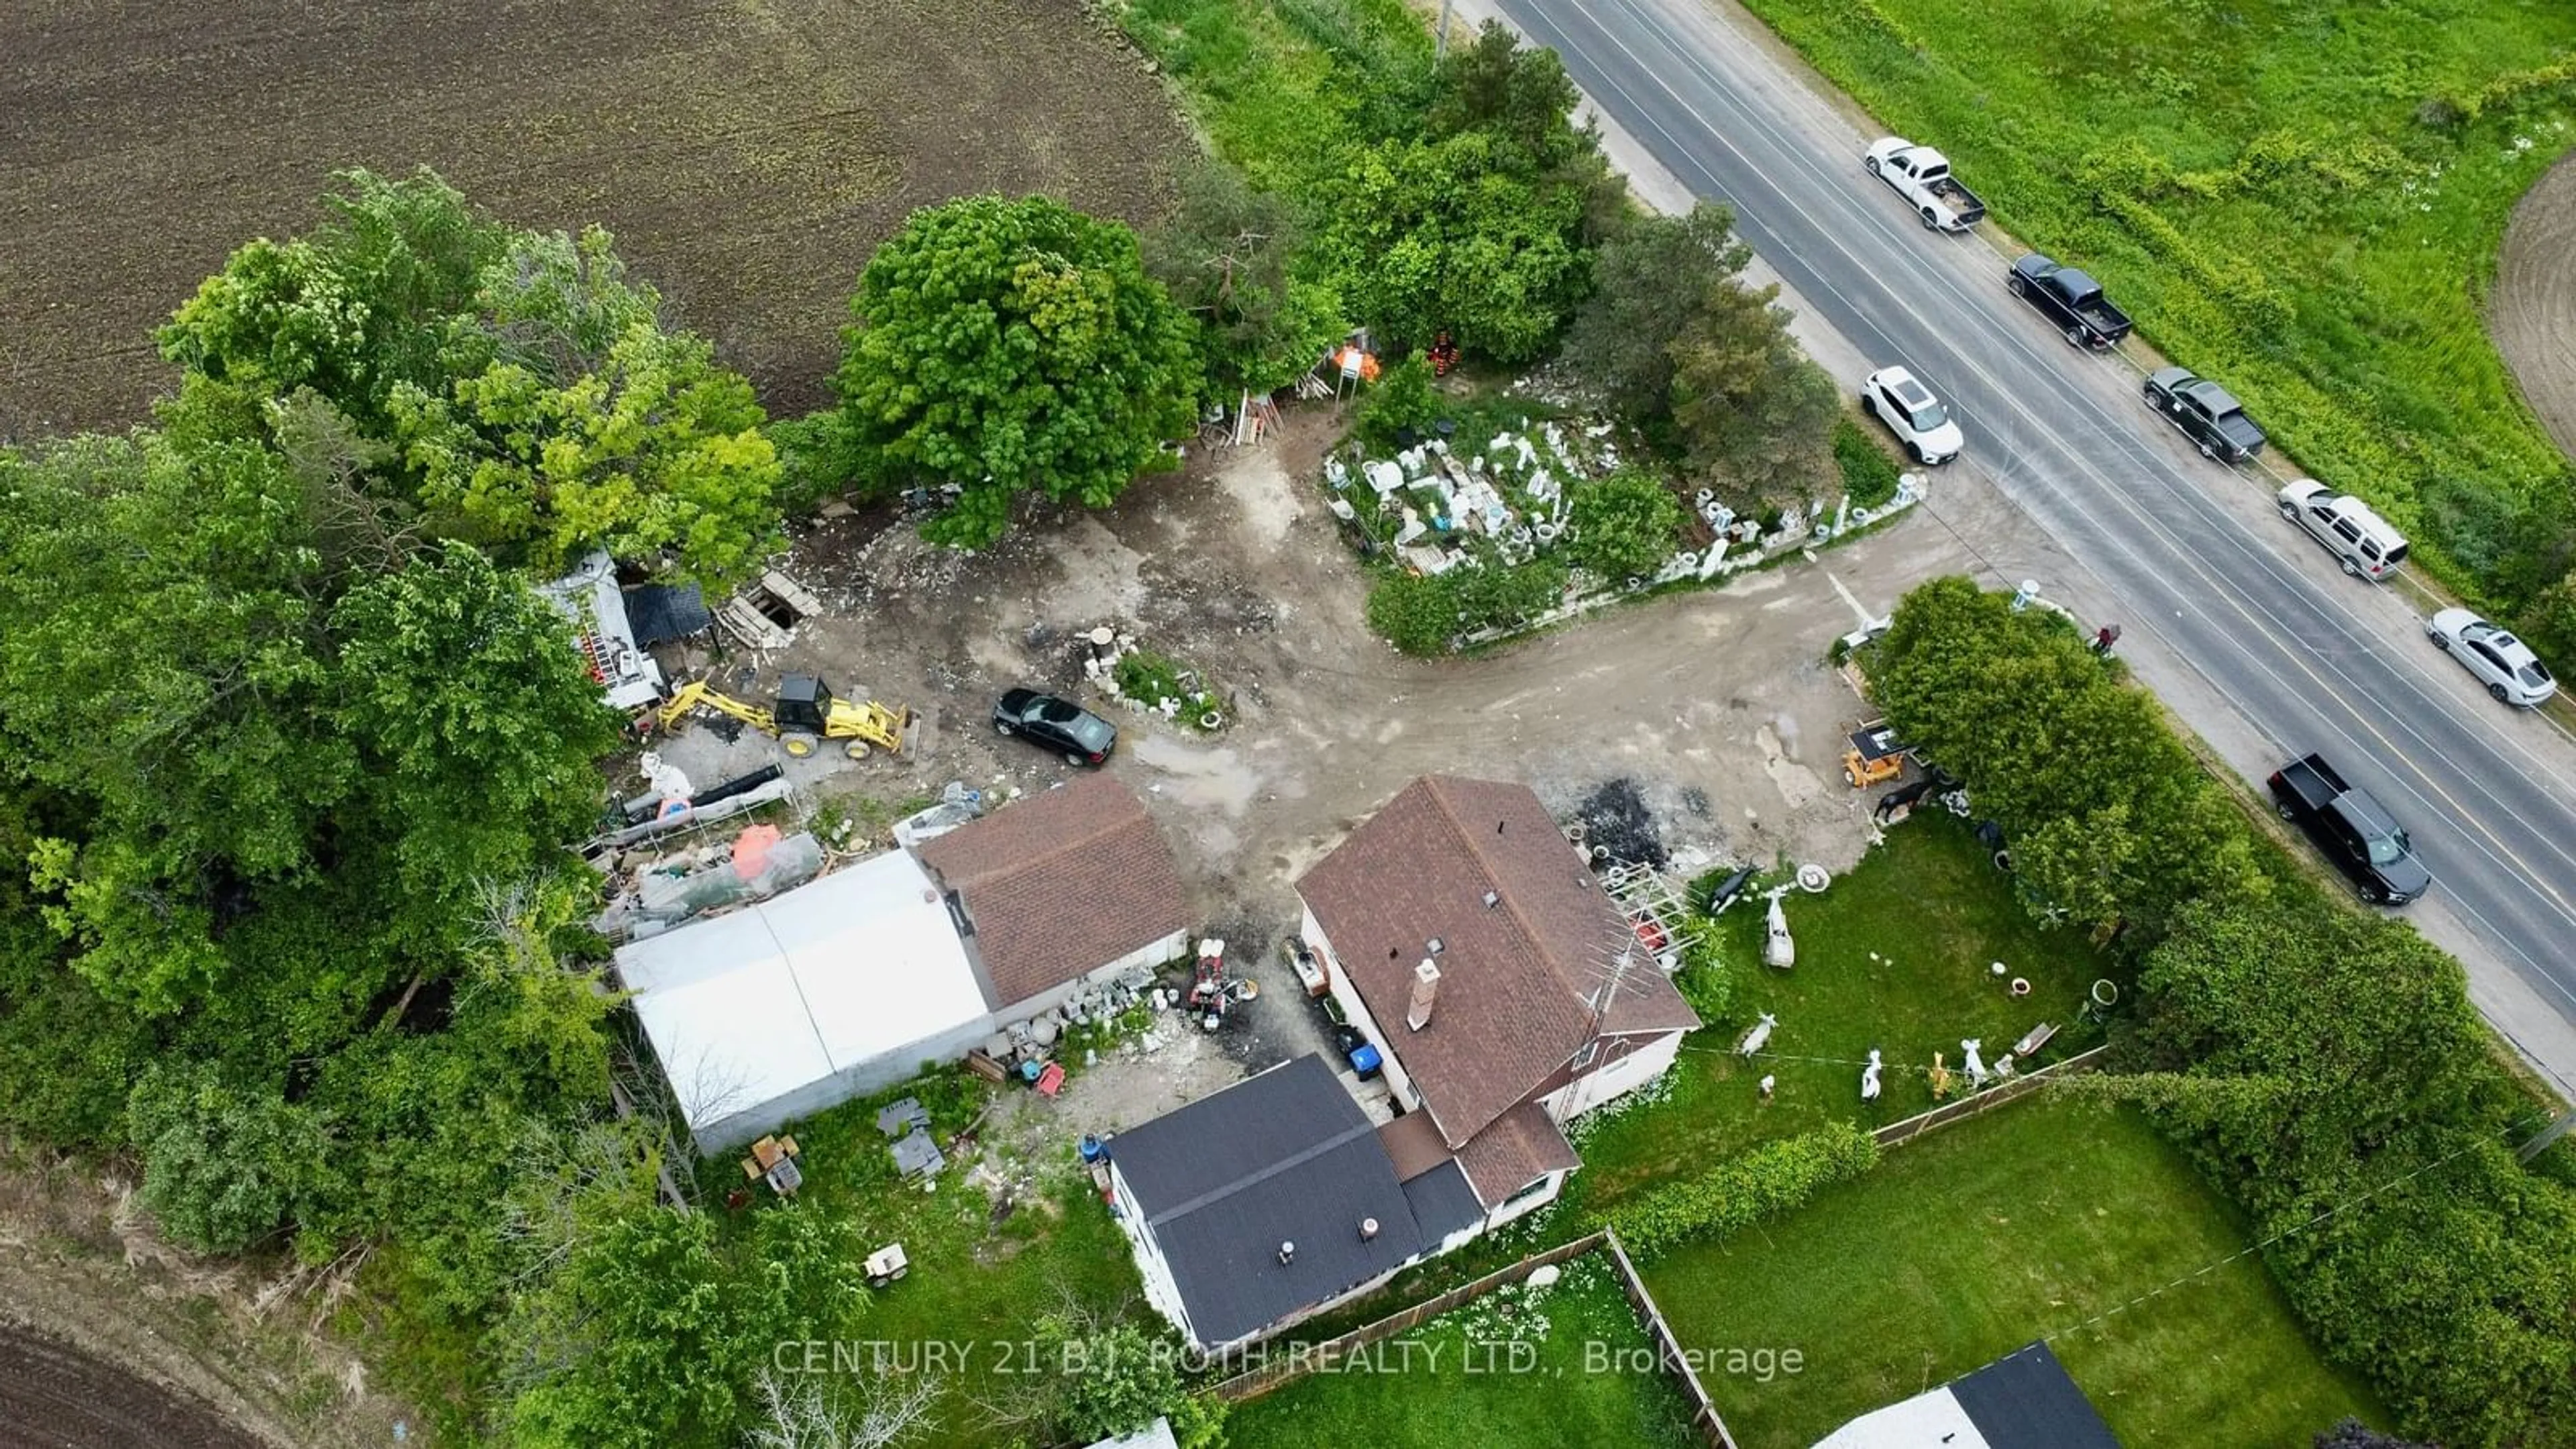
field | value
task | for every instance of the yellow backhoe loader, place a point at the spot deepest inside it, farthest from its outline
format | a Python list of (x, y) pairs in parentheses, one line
[(805, 714)]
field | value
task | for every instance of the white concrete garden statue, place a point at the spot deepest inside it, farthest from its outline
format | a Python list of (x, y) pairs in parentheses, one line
[(1869, 1078), (1755, 1039), (1779, 950), (1975, 1064)]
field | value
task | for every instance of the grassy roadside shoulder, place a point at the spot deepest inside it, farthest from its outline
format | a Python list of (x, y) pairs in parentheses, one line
[(2305, 204)]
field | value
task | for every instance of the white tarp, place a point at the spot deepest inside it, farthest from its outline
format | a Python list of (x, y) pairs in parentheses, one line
[(589, 596), (784, 1007)]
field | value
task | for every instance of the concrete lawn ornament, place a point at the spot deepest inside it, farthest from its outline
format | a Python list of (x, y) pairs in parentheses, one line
[(1778, 949), (1976, 1066), (1758, 1036), (1767, 1083), (665, 778), (1869, 1078)]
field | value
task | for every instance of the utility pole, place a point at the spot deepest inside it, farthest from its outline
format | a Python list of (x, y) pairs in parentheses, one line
[(1440, 40)]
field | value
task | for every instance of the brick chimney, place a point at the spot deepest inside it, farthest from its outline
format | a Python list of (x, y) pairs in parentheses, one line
[(1426, 984)]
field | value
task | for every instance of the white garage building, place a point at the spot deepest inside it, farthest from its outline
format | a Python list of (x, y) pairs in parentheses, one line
[(853, 981)]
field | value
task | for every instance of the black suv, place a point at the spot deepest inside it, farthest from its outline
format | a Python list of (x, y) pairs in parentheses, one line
[(2206, 413), (1083, 738), (2354, 830)]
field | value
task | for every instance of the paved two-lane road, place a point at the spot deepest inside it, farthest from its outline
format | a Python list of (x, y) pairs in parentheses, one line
[(2231, 613)]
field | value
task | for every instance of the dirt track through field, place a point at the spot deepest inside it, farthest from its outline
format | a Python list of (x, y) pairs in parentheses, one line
[(2533, 312), (53, 1397), (749, 156)]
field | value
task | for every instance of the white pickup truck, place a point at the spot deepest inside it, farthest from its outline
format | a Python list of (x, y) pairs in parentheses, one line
[(1922, 176)]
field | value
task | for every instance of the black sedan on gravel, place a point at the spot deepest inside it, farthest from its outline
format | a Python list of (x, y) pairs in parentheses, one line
[(1083, 738)]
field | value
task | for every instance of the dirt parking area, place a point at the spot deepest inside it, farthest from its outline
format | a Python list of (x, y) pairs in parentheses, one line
[(748, 155), (1707, 725)]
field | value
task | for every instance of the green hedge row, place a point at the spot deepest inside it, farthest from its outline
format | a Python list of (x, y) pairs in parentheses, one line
[(1742, 1191)]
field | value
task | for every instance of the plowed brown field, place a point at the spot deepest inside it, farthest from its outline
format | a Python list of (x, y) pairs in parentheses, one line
[(749, 156)]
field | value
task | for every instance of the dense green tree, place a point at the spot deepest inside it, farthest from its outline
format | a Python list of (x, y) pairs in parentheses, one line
[(1010, 347), (164, 648), (2110, 818), (1117, 1380), (651, 1334), (1224, 255), (1748, 407), (227, 1161), (1650, 286), (478, 765), (511, 388), (591, 427), (367, 301), (1623, 526), (1454, 235), (1514, 93)]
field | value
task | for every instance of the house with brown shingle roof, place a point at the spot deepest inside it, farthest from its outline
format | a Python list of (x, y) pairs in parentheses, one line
[(1070, 885), (1506, 991)]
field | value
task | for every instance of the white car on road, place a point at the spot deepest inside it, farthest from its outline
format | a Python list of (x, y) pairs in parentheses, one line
[(2503, 663), (1913, 414)]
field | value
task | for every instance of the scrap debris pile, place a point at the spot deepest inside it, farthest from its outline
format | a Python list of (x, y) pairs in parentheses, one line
[(1506, 503)]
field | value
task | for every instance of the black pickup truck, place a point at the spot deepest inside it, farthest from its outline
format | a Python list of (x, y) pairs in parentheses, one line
[(2355, 831), (2207, 414), (2069, 299)]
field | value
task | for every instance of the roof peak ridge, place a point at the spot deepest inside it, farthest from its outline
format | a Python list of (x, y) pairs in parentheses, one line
[(1473, 840)]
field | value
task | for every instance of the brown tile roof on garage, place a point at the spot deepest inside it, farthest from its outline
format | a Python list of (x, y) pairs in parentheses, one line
[(1517, 979), (1063, 882)]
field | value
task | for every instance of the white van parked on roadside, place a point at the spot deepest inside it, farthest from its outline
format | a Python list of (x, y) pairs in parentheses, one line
[(2364, 541)]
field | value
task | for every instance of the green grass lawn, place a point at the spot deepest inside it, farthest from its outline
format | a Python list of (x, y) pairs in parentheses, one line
[(974, 1282), (2302, 200), (1935, 913), (1576, 1377), (1983, 1236)]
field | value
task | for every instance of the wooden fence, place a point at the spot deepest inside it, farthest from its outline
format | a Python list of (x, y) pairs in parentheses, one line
[(1668, 1349), (1304, 1359), (1975, 1102)]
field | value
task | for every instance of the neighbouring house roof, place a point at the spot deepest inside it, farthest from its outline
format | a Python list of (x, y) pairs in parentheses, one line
[(2024, 1400), (1519, 979), (1520, 1146), (1285, 1156), (747, 1007), (1061, 883)]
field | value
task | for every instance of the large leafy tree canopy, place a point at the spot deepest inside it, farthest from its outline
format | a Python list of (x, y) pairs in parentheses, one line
[(514, 389), (1479, 221), (1007, 347), (286, 795), (2110, 820)]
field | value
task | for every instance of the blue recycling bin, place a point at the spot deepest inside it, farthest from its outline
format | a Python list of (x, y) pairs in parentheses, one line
[(1366, 1061)]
